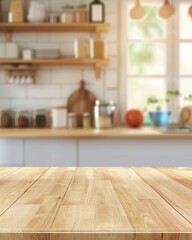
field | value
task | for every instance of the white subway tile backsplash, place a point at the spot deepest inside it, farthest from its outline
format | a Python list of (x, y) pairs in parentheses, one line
[(67, 49), (110, 36), (44, 91), (67, 37), (97, 89), (30, 104), (66, 76), (12, 91), (43, 77), (89, 76), (111, 80), (5, 103), (112, 19), (113, 52), (58, 102), (43, 37), (23, 37), (112, 95), (68, 89), (113, 63)]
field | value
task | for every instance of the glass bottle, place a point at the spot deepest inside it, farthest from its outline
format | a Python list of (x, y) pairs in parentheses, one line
[(97, 11)]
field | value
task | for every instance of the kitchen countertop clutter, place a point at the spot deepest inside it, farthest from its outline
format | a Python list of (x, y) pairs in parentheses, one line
[(59, 117)]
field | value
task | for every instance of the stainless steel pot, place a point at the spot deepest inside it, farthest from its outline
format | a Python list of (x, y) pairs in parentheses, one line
[(104, 114)]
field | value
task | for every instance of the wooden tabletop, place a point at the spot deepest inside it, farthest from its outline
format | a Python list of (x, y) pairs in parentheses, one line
[(96, 203), (112, 133)]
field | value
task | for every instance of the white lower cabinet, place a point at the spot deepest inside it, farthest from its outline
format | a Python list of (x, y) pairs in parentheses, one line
[(50, 152), (11, 152), (95, 152), (135, 152)]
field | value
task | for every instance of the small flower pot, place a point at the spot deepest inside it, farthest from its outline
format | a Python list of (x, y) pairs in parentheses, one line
[(159, 119)]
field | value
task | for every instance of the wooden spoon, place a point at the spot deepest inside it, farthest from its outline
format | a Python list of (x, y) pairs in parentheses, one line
[(167, 10), (137, 12), (190, 11)]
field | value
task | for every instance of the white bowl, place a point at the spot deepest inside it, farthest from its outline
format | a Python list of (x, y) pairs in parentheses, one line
[(35, 17)]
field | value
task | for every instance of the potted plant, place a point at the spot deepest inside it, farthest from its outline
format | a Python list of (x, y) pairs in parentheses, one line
[(160, 117)]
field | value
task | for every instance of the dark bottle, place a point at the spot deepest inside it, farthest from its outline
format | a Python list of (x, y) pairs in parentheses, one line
[(97, 12)]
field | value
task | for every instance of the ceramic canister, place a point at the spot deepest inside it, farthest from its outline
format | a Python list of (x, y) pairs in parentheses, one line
[(59, 117)]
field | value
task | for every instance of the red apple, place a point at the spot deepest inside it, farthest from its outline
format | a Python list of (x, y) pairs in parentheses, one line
[(134, 118)]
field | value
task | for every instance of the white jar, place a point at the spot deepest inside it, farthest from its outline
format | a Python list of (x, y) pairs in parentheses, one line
[(59, 117), (27, 53)]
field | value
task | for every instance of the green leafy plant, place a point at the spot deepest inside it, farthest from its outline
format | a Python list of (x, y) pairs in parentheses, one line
[(188, 98), (158, 102)]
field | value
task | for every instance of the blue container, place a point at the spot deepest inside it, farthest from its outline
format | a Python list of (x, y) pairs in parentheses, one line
[(159, 118)]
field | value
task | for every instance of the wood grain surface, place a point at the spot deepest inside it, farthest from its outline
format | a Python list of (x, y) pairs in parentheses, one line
[(79, 133), (96, 203)]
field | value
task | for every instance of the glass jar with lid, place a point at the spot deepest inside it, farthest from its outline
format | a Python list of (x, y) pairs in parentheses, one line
[(81, 48), (5, 118), (86, 120), (67, 15), (72, 120), (40, 118), (22, 119), (81, 14), (98, 49)]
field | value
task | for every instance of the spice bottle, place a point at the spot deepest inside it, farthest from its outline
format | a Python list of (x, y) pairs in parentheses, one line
[(81, 14), (97, 11)]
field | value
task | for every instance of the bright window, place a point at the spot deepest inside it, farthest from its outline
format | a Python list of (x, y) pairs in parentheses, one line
[(159, 54)]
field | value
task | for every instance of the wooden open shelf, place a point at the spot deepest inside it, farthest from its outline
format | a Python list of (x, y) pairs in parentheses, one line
[(96, 63), (54, 27)]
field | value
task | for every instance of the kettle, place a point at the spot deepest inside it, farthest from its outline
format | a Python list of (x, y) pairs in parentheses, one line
[(104, 114)]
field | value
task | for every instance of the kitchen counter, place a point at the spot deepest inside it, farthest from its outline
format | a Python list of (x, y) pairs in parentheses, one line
[(96, 203), (114, 133)]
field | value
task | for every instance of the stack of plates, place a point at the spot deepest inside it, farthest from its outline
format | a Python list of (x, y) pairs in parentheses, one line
[(47, 53)]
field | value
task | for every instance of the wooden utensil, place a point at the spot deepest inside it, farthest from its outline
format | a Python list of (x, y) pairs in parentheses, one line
[(137, 12), (81, 101), (167, 10), (190, 11)]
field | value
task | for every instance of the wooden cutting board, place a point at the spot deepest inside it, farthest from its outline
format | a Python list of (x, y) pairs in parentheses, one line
[(81, 101)]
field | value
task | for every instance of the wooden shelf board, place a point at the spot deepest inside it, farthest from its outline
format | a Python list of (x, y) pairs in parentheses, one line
[(59, 61), (54, 27)]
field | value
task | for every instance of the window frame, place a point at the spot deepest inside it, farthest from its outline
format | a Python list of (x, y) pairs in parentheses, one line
[(172, 74)]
